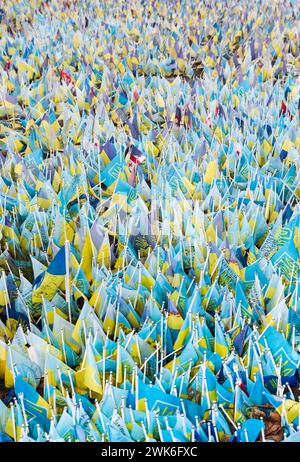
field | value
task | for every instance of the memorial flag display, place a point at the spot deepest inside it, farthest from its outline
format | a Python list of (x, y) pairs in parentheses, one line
[(149, 221)]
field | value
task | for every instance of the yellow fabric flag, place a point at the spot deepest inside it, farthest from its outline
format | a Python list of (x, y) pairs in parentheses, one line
[(87, 257)]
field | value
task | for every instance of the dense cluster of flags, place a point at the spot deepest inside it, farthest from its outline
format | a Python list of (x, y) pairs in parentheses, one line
[(149, 220)]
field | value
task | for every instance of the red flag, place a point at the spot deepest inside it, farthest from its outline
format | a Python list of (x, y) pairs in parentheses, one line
[(284, 110)]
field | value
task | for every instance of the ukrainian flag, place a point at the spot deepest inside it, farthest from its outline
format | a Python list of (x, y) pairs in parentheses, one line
[(3, 358)]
